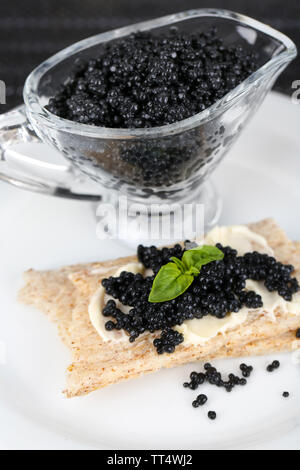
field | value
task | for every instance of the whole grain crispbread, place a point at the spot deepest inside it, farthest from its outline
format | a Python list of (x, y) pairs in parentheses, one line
[(65, 294)]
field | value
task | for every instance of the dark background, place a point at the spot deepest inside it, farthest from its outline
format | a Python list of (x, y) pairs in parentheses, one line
[(32, 30)]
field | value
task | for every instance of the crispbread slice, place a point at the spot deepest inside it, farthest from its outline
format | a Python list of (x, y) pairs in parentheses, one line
[(96, 363), (107, 363), (86, 377), (54, 294)]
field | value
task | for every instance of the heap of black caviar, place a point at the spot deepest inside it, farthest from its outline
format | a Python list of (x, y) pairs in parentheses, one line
[(149, 79), (219, 289)]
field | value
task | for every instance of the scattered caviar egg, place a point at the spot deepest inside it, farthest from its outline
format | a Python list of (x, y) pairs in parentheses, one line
[(212, 415)]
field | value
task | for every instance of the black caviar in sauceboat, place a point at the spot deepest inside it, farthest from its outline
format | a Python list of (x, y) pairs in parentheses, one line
[(218, 289), (149, 79)]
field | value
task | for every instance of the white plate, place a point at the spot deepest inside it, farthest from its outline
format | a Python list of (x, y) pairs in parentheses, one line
[(259, 178)]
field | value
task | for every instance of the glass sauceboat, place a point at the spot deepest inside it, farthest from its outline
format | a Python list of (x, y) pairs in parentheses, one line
[(101, 163)]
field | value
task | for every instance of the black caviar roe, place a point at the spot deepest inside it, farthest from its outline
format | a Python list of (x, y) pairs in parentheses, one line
[(148, 80), (275, 365), (212, 415), (246, 370), (219, 288), (214, 377)]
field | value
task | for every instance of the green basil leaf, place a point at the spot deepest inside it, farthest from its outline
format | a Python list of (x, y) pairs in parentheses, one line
[(173, 279), (194, 271), (169, 283), (201, 255), (179, 263)]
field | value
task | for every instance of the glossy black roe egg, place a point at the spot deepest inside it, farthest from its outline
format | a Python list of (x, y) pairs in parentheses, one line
[(214, 377), (212, 415), (147, 80), (217, 290)]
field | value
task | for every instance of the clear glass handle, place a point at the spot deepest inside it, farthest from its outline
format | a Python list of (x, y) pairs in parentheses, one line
[(57, 178)]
